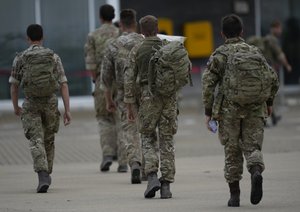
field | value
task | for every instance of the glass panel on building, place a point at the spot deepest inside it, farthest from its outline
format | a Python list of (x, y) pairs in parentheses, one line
[(66, 27), (15, 16)]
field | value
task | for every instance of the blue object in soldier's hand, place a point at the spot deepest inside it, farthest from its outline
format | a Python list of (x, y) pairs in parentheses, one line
[(213, 126)]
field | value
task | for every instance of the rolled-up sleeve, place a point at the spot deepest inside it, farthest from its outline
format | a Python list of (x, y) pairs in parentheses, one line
[(130, 76), (211, 77), (60, 69), (274, 89), (108, 68), (90, 54), (16, 71)]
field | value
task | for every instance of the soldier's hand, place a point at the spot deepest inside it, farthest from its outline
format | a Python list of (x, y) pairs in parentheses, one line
[(18, 111), (207, 119), (111, 106), (67, 118), (130, 113), (270, 110), (289, 68)]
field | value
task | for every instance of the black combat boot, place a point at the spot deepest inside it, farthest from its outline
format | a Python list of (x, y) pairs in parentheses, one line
[(43, 182), (106, 163), (165, 192), (256, 185), (153, 185), (136, 173), (234, 200)]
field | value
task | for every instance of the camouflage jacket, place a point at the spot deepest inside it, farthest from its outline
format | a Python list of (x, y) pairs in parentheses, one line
[(17, 71), (116, 59), (214, 101), (137, 72), (95, 45), (272, 50)]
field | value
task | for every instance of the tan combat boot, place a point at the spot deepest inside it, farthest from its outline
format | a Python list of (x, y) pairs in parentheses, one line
[(153, 185), (165, 192)]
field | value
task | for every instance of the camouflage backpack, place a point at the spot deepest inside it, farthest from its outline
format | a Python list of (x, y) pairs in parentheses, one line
[(169, 69), (263, 44), (248, 77), (257, 41), (39, 79)]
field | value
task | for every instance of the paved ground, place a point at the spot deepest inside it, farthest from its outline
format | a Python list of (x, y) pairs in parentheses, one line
[(78, 186)]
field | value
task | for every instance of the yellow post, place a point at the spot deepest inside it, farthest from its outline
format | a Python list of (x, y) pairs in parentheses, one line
[(199, 42), (165, 26)]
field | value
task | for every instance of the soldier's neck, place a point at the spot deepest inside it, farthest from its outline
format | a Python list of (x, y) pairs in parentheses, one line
[(129, 30), (35, 43), (106, 22)]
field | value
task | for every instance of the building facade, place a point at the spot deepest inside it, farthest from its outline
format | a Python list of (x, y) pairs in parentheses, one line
[(66, 24)]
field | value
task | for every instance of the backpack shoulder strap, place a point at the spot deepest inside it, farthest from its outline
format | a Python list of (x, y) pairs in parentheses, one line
[(151, 68)]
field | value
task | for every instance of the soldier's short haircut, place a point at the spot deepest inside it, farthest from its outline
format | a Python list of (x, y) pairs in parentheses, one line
[(149, 25), (107, 12), (128, 17), (35, 32), (232, 26)]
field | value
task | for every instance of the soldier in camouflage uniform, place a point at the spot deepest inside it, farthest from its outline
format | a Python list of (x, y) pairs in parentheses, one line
[(39, 115), (274, 55), (154, 112), (273, 51), (94, 52), (115, 60), (240, 127)]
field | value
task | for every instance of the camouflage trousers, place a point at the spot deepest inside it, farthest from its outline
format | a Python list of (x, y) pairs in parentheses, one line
[(40, 119), (241, 137), (131, 136), (158, 112), (110, 136)]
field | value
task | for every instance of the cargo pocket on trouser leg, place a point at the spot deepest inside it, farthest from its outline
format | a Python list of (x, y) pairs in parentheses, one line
[(56, 124), (148, 116), (31, 124), (223, 135), (52, 121), (253, 134), (38, 153)]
